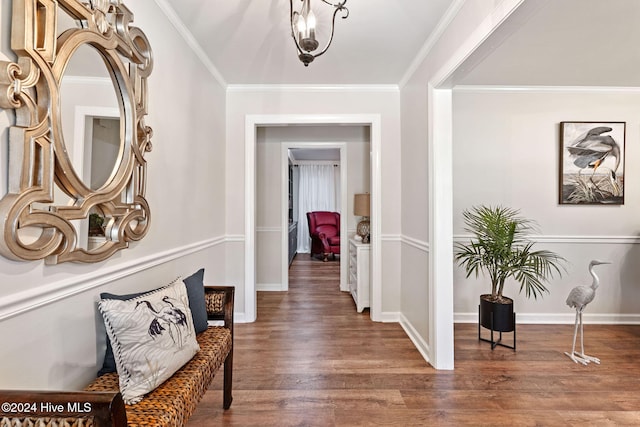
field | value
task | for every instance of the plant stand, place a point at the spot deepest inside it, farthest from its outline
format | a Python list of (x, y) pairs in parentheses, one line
[(492, 323)]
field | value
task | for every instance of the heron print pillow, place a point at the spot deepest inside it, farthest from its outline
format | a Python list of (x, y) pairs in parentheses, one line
[(152, 337)]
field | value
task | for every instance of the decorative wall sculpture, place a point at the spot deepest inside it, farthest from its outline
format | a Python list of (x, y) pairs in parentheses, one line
[(50, 196)]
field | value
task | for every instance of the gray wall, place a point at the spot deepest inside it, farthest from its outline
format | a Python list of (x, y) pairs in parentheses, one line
[(506, 151), (52, 335)]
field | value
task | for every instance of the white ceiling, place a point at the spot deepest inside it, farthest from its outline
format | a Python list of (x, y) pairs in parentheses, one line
[(557, 42), (249, 41)]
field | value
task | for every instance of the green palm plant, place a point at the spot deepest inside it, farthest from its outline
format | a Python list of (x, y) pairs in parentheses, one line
[(500, 248)]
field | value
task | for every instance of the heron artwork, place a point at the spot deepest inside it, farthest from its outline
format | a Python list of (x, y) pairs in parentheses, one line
[(168, 317), (579, 298), (589, 151)]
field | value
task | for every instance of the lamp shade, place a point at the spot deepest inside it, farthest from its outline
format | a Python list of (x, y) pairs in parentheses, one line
[(361, 203)]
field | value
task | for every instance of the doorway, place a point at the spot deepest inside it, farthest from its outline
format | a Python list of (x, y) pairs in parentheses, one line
[(333, 152), (96, 153), (252, 124)]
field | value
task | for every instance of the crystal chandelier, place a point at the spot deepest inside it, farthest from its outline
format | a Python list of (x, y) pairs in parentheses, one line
[(303, 29)]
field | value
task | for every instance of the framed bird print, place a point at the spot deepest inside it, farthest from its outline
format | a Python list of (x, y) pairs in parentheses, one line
[(592, 163)]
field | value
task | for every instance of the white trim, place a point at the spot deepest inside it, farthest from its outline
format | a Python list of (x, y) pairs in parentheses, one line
[(311, 88), (440, 163), (315, 162), (435, 35), (22, 302), (546, 89), (416, 339), (269, 229), (234, 238), (251, 124), (390, 317), (81, 150), (270, 287), (250, 296), (177, 23), (561, 318), (575, 240), (344, 244), (473, 46), (376, 218), (441, 227), (81, 113), (415, 243)]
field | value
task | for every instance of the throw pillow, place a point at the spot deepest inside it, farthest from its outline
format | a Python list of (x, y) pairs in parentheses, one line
[(152, 336), (197, 305), (195, 290)]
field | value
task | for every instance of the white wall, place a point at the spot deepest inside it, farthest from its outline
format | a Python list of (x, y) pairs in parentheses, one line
[(269, 166), (52, 337), (506, 151), (426, 306), (243, 101)]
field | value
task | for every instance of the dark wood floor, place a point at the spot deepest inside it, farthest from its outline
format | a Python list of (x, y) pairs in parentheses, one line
[(311, 360)]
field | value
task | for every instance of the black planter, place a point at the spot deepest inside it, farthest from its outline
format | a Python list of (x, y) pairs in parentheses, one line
[(498, 317)]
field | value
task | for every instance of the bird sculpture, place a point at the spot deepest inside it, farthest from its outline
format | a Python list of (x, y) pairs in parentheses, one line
[(578, 298)]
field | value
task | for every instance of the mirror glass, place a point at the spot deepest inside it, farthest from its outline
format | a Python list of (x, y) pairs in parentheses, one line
[(90, 117)]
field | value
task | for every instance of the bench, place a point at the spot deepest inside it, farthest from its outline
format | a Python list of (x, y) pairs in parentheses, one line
[(170, 404)]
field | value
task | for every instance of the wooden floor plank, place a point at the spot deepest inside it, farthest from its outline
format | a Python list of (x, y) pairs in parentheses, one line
[(311, 360)]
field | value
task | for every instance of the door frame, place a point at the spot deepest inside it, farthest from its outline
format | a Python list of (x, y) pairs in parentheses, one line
[(252, 122), (284, 161)]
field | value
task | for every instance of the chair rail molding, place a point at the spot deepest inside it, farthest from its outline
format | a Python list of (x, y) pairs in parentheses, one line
[(25, 301)]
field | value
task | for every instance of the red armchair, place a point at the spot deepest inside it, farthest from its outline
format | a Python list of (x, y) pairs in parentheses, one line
[(324, 230)]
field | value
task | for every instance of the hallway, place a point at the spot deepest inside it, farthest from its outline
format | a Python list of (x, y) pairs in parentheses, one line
[(311, 360)]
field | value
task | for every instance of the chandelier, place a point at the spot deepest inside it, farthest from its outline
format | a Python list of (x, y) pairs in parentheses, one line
[(303, 29)]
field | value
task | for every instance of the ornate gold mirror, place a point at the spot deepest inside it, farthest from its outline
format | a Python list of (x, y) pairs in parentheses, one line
[(77, 172)]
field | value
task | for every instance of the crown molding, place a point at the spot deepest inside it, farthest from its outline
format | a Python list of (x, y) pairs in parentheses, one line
[(544, 89), (428, 45), (312, 88), (177, 23)]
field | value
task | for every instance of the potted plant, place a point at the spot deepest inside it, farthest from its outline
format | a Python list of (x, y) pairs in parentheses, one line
[(96, 221), (502, 250)]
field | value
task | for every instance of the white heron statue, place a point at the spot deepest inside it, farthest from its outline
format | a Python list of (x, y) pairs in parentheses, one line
[(578, 298)]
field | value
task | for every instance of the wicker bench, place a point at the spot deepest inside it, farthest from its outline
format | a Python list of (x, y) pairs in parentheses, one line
[(170, 404)]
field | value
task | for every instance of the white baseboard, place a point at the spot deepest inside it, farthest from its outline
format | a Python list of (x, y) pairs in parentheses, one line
[(390, 317), (240, 318), (269, 287), (416, 339), (560, 318)]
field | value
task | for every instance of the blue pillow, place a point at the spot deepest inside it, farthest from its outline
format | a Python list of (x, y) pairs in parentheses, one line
[(197, 305)]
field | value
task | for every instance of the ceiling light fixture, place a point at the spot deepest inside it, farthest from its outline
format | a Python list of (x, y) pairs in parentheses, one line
[(303, 29)]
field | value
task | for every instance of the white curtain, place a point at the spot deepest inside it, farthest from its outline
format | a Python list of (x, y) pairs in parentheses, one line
[(316, 192)]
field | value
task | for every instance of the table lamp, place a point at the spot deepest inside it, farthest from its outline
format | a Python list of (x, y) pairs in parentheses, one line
[(361, 207)]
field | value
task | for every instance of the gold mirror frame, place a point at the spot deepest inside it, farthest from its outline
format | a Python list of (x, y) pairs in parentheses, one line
[(38, 158)]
